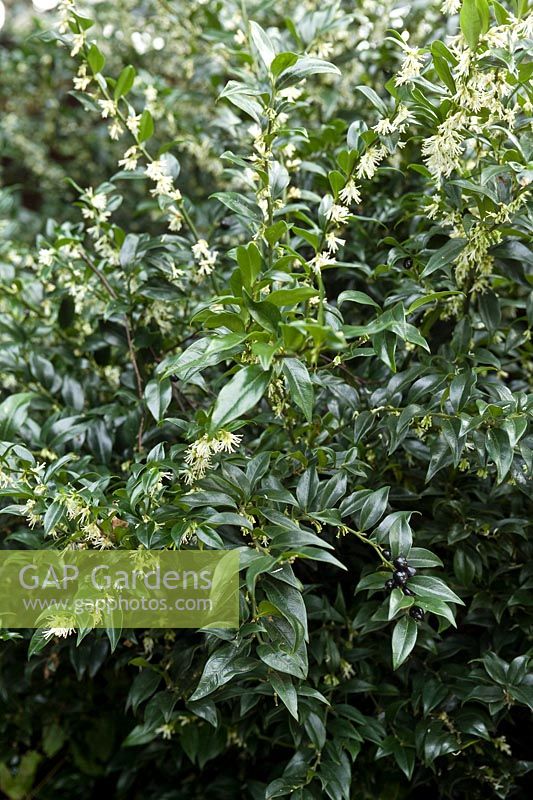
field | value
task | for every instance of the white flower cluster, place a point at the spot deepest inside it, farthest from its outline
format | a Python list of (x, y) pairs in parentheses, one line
[(204, 257), (93, 536), (82, 80), (370, 161), (199, 453), (320, 261), (158, 171), (131, 158), (95, 206), (442, 152), (474, 259), (412, 62), (400, 122), (451, 7)]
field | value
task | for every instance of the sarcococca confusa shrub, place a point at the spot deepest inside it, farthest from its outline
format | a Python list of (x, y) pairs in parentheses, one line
[(265, 286)]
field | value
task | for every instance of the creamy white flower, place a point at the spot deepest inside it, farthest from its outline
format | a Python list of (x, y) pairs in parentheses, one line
[(411, 65), (198, 454), (131, 157), (164, 186), (82, 80), (132, 122), (165, 730), (226, 442), (204, 257), (320, 261), (291, 93), (115, 130), (350, 193), (338, 213), (384, 127), (175, 223), (109, 108), (46, 256), (156, 170), (333, 242), (99, 201), (78, 40), (442, 151), (451, 6), (369, 162)]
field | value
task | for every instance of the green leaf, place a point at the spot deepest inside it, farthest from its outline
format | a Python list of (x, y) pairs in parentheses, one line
[(221, 666), (419, 557), (124, 82), (292, 663), (470, 22), (290, 297), (146, 126), (461, 390), (374, 98), (53, 739), (351, 296), (265, 313), (264, 46), (282, 61), (373, 508), (140, 734), (55, 512), (500, 451), (305, 66), (446, 255), (429, 298), (284, 688), (265, 352), (398, 601), (13, 413), (300, 386), (375, 580), (242, 393), (400, 536), (250, 263), (403, 640), (158, 394), (144, 685), (240, 204), (435, 606), (522, 694), (95, 58), (274, 232), (442, 69), (429, 586), (202, 354)]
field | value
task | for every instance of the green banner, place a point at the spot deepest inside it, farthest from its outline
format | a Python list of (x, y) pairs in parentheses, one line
[(59, 590)]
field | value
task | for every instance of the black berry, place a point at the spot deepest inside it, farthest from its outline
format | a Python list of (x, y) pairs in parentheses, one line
[(389, 584), (400, 562), (225, 223), (386, 554), (400, 577), (411, 571), (416, 613), (174, 378), (408, 263), (408, 592)]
